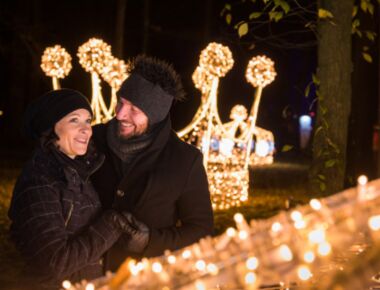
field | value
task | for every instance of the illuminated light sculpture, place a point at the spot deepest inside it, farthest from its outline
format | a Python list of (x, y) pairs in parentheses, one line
[(114, 73), (56, 63), (260, 73), (227, 147), (93, 56), (315, 257)]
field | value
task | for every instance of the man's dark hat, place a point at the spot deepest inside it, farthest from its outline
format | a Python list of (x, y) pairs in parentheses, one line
[(152, 86)]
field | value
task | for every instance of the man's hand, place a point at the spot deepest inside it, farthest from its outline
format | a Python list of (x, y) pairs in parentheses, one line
[(137, 232)]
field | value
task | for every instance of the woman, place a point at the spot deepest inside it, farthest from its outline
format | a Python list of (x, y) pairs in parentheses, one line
[(57, 223)]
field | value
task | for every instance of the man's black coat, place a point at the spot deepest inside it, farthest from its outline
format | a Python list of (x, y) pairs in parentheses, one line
[(165, 187)]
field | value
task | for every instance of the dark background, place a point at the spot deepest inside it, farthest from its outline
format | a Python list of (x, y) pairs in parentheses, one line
[(175, 31)]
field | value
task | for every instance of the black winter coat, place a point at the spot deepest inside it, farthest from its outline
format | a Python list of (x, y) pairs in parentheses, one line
[(165, 187), (56, 221)]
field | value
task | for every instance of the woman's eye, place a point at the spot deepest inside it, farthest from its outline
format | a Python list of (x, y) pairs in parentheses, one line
[(88, 121), (74, 120)]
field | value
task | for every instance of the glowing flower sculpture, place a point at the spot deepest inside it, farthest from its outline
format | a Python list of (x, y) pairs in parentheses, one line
[(114, 73), (56, 63), (94, 55), (260, 73)]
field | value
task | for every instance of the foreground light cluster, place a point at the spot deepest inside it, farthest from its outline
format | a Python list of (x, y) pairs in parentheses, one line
[(339, 248), (56, 63)]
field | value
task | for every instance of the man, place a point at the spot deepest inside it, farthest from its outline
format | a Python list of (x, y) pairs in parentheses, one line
[(148, 170)]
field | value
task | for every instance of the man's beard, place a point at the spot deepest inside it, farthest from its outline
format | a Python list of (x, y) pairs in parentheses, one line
[(133, 134)]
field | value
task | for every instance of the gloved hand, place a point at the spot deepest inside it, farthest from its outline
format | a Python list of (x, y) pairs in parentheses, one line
[(138, 233)]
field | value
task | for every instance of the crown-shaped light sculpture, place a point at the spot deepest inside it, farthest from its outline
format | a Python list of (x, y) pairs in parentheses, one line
[(227, 154), (56, 63), (93, 56)]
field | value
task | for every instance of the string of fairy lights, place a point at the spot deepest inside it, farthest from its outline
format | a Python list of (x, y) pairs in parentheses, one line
[(309, 247), (228, 148)]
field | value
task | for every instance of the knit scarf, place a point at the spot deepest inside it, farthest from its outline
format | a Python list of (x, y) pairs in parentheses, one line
[(127, 149)]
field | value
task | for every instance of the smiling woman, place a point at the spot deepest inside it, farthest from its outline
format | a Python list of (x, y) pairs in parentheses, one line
[(74, 132), (57, 222)]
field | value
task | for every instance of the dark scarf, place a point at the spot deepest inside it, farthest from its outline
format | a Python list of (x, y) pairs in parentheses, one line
[(84, 165), (127, 149)]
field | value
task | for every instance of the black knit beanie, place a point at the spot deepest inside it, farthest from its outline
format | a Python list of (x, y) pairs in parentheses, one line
[(47, 110), (148, 97), (152, 86)]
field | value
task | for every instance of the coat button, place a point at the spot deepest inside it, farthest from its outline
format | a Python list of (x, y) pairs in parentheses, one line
[(120, 193)]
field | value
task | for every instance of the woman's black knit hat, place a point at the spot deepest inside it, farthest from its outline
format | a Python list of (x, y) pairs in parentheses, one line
[(47, 110)]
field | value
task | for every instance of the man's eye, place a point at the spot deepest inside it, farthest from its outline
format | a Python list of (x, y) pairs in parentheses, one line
[(74, 120), (88, 121)]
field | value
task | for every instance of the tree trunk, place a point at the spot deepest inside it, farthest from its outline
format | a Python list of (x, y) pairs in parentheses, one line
[(146, 25), (334, 97), (119, 29)]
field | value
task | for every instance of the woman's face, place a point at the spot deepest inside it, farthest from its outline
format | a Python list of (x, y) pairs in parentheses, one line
[(74, 132)]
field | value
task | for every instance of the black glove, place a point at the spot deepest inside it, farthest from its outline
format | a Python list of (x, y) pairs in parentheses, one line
[(138, 233)]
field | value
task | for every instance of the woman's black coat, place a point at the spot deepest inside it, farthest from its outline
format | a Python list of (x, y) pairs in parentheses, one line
[(165, 187), (56, 221)]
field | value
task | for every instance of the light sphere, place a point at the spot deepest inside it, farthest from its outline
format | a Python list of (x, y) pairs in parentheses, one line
[(202, 79), (94, 55), (114, 72), (56, 62), (260, 71), (216, 59)]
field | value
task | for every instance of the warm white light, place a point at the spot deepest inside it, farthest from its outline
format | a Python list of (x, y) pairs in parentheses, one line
[(315, 204), (252, 263), (226, 146), (212, 269), (66, 284), (262, 148), (362, 180), (94, 55), (300, 224), (250, 278), (317, 236), (285, 253), (216, 59), (309, 257), (260, 71), (231, 232), (374, 222), (324, 249), (199, 285), (186, 254), (172, 259), (90, 286), (243, 235), (304, 273), (200, 265), (56, 62), (296, 215), (238, 217), (276, 227), (156, 267)]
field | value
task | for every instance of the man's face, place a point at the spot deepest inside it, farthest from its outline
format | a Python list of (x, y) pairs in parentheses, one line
[(132, 121)]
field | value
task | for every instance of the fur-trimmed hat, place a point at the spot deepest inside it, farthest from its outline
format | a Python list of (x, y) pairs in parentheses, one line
[(152, 86), (43, 113)]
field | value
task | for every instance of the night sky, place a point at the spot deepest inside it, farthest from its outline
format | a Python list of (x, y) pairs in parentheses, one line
[(172, 30)]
